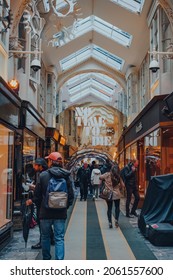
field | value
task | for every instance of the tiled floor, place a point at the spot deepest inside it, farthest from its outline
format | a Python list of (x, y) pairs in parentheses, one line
[(16, 250)]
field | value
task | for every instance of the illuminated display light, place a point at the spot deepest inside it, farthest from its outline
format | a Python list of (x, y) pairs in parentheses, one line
[(14, 85), (62, 141)]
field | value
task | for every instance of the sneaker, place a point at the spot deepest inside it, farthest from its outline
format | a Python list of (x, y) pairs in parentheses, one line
[(110, 225), (37, 246)]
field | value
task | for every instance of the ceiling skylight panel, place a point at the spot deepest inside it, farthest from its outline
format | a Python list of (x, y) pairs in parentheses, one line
[(78, 78), (79, 86), (76, 58), (106, 79), (112, 32), (80, 95), (103, 27), (85, 25), (87, 92), (99, 94), (102, 78), (132, 5), (106, 89), (108, 58)]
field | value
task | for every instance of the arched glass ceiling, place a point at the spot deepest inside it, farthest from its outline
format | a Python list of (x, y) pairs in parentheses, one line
[(94, 51), (98, 85), (132, 5), (93, 23)]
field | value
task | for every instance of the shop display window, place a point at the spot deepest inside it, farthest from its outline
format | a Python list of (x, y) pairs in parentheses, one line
[(131, 153), (52, 145), (6, 174), (121, 160), (152, 144), (167, 150), (29, 154)]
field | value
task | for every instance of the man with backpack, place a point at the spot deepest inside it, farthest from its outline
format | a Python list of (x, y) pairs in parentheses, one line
[(55, 195)]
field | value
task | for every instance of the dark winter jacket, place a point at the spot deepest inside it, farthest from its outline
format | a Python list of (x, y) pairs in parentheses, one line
[(105, 168), (41, 192), (84, 175), (130, 177)]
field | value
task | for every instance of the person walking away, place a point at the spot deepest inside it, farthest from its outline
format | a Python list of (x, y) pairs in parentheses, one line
[(106, 167), (84, 180), (130, 175), (92, 166), (114, 183), (55, 217), (95, 181)]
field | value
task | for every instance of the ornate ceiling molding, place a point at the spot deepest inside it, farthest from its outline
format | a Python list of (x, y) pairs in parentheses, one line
[(17, 16), (33, 22)]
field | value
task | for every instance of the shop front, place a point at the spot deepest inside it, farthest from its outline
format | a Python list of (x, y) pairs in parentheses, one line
[(150, 140), (10, 105), (52, 137), (61, 147), (32, 141), (33, 127)]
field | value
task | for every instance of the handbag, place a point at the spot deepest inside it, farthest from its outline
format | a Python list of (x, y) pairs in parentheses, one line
[(106, 194)]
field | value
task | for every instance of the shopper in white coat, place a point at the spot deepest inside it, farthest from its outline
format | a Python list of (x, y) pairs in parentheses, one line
[(95, 181)]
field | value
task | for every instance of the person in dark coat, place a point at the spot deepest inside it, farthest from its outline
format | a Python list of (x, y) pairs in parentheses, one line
[(106, 167), (55, 217), (131, 187), (84, 175), (40, 165)]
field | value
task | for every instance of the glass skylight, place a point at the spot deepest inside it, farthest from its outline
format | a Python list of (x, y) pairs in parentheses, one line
[(93, 23), (89, 91), (98, 85), (132, 5), (97, 53)]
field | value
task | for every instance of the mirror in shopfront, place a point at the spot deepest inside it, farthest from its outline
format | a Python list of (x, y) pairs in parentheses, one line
[(167, 150), (6, 174), (152, 154), (29, 154)]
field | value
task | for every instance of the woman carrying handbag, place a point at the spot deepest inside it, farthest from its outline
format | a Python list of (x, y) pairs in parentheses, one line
[(113, 183)]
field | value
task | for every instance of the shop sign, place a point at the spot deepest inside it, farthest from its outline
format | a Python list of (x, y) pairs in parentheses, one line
[(95, 127), (139, 127)]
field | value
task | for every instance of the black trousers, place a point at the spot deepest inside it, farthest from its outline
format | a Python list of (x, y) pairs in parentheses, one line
[(117, 209), (135, 192), (84, 190)]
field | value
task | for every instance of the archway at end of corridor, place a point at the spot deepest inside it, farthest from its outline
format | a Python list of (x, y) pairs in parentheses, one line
[(88, 155)]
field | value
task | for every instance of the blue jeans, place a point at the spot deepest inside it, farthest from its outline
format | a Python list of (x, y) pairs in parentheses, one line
[(59, 231)]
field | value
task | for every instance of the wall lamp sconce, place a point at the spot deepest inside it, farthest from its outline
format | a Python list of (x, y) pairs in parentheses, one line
[(14, 85), (35, 63), (154, 64)]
